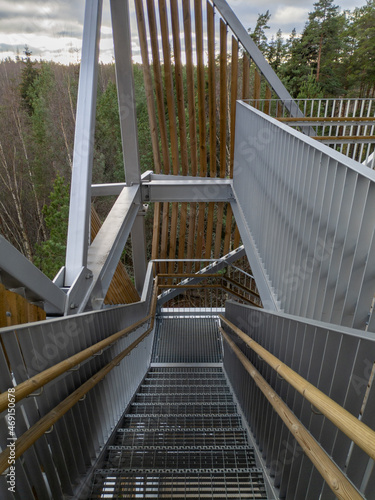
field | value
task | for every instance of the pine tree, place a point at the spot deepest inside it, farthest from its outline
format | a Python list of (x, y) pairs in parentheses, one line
[(259, 35), (28, 77)]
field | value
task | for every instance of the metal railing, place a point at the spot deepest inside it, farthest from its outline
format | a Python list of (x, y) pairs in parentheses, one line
[(212, 291), (346, 125), (318, 371), (305, 214), (59, 429)]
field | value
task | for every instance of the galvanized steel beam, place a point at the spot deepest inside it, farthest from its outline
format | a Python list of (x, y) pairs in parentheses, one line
[(128, 122), (80, 197), (17, 271), (212, 268), (186, 189)]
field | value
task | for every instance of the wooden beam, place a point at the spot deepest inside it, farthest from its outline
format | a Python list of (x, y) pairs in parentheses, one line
[(245, 77), (223, 132), (268, 100), (212, 119), (201, 87), (233, 99), (192, 121), (158, 85), (256, 93), (148, 83), (182, 124)]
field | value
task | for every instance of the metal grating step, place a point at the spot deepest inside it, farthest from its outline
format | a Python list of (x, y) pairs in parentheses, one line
[(184, 389), (181, 437), (167, 381), (219, 486), (187, 459), (185, 375), (192, 421), (187, 369), (187, 340), (183, 408), (184, 398)]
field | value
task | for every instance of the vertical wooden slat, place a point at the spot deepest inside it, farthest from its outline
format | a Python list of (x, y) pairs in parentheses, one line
[(190, 87), (256, 94), (201, 87), (223, 98), (181, 122), (152, 117), (164, 235), (192, 121), (164, 215), (179, 85), (3, 309), (168, 79), (228, 229), (237, 238), (267, 104), (233, 99), (148, 83), (223, 131), (212, 117), (245, 77), (158, 85), (201, 120), (234, 93), (200, 230)]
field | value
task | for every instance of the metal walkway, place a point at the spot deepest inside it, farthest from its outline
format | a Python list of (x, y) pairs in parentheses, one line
[(182, 436)]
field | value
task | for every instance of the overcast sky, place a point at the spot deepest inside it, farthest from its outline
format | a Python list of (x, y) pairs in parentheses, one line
[(53, 28)]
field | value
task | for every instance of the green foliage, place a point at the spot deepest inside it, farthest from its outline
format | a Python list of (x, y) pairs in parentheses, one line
[(50, 255), (108, 163), (360, 67), (258, 35), (28, 76)]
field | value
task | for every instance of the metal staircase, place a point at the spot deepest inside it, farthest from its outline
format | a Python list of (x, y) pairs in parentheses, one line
[(182, 436)]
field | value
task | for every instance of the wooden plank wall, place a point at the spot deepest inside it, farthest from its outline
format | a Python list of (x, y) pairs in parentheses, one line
[(192, 82), (16, 310)]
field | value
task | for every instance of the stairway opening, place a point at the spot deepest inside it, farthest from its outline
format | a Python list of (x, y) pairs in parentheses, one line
[(183, 435)]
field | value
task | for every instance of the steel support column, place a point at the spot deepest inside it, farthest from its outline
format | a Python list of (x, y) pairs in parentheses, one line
[(80, 197), (128, 122)]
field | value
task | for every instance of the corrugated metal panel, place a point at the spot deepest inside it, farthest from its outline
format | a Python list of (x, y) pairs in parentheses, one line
[(305, 213)]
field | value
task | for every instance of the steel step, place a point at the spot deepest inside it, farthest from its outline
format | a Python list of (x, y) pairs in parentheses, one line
[(182, 438), (219, 486)]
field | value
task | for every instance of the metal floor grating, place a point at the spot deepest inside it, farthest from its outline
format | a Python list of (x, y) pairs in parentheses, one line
[(181, 438), (219, 486), (188, 340)]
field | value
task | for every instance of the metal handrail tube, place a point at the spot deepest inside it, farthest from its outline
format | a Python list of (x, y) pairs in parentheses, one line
[(356, 430), (335, 478), (29, 437), (31, 385)]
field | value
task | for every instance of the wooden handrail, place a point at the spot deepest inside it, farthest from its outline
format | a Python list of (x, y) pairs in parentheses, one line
[(356, 430), (335, 478), (29, 437), (32, 384)]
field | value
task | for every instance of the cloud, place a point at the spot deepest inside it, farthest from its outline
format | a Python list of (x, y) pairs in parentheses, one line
[(290, 14)]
